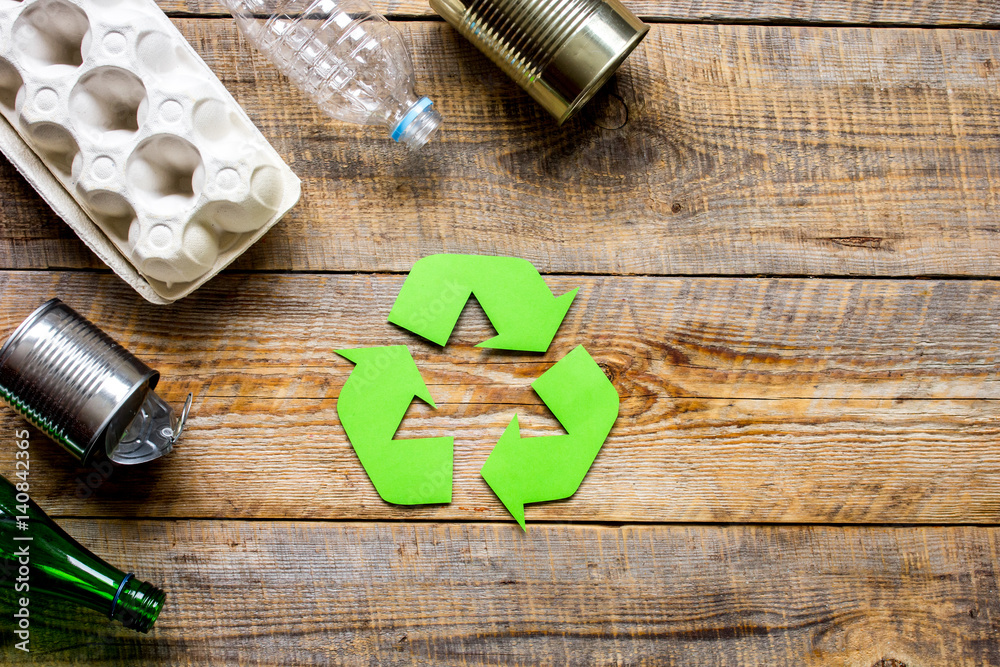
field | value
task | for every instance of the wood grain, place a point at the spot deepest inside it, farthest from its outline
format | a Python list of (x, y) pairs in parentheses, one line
[(277, 593), (742, 400), (866, 12), (273, 336), (793, 148), (718, 149)]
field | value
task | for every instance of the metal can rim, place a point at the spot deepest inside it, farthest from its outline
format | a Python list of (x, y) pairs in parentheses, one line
[(598, 82), (25, 325)]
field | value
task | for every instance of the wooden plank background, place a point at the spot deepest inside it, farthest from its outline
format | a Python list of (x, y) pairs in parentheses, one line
[(976, 13), (743, 400), (735, 150), (783, 220), (263, 593)]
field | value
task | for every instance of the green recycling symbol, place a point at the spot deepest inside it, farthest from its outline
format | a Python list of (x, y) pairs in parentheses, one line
[(526, 316)]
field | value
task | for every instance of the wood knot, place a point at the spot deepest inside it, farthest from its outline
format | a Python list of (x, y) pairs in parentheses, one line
[(874, 242), (889, 662), (609, 112), (676, 207), (609, 370)]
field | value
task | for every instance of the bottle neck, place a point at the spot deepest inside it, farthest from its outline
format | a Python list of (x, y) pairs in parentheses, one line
[(36, 552), (137, 604), (412, 121)]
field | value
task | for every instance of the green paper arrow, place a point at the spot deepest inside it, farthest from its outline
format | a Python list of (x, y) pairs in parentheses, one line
[(533, 470), (513, 295), (371, 407)]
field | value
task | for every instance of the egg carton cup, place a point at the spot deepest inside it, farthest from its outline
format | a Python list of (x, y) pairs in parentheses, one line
[(124, 130)]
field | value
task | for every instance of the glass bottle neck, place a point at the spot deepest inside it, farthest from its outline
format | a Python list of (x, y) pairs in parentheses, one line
[(40, 555), (137, 604)]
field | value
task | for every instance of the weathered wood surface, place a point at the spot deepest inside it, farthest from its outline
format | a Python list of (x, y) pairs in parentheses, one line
[(742, 400), (727, 150), (864, 12), (276, 593), (718, 150)]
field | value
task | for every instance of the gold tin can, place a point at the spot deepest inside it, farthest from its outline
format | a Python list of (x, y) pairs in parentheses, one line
[(560, 51)]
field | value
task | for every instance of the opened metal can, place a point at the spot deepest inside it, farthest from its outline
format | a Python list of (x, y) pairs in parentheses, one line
[(84, 390), (560, 51)]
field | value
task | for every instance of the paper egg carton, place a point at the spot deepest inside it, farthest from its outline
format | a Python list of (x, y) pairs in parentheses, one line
[(126, 132)]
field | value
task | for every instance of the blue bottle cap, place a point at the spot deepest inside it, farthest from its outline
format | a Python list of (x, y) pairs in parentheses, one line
[(409, 116)]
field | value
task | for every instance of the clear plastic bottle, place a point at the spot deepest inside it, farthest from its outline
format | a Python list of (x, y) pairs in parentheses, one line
[(346, 57)]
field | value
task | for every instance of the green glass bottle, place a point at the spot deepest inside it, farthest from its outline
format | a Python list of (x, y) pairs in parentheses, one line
[(37, 557)]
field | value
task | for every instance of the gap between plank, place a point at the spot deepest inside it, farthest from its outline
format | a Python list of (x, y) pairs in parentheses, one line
[(555, 274), (660, 20), (550, 523)]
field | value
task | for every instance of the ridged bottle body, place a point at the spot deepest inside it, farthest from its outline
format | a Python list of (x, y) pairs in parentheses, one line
[(342, 53), (39, 559)]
